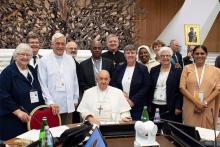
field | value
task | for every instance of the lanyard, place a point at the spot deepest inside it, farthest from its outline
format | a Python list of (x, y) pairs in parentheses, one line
[(59, 68), (199, 81), (32, 78)]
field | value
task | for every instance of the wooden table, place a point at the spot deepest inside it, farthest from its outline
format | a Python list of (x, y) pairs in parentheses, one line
[(111, 142)]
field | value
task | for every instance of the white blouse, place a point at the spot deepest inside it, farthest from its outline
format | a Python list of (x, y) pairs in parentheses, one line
[(126, 80), (160, 96)]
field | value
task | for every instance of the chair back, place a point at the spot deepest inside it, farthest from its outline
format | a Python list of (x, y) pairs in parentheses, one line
[(43, 111)]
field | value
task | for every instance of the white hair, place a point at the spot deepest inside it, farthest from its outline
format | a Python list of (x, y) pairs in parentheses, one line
[(56, 36), (21, 48), (167, 49)]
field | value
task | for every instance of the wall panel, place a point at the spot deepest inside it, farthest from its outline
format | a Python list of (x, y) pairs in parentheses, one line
[(152, 16), (213, 39)]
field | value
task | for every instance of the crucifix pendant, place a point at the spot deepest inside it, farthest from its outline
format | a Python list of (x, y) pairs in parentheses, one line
[(100, 109)]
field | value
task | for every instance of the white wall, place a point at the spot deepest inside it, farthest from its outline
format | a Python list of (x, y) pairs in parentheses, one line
[(202, 12)]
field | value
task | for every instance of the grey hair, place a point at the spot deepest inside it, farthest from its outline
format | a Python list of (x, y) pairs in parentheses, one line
[(111, 36), (57, 35), (21, 47), (165, 48), (130, 47)]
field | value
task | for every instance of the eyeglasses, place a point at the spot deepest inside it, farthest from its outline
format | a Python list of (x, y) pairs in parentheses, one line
[(163, 56), (24, 54)]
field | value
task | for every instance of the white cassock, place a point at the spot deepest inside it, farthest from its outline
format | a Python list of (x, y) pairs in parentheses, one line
[(107, 105), (58, 79)]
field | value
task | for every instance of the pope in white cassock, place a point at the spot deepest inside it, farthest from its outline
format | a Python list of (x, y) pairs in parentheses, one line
[(58, 79), (103, 103)]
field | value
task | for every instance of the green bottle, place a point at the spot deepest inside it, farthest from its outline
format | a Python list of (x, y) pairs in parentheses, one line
[(145, 116), (42, 130)]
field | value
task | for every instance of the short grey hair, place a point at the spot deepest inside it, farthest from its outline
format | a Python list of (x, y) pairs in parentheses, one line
[(56, 36), (130, 47), (22, 47), (165, 48)]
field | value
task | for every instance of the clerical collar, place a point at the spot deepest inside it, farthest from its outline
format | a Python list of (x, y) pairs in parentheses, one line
[(113, 52)]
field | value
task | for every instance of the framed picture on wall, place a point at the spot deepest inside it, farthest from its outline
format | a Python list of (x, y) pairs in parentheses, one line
[(192, 34)]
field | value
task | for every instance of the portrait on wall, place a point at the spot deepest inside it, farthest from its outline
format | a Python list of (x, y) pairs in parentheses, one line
[(192, 34)]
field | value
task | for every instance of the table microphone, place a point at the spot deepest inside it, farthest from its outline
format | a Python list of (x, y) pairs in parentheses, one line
[(213, 123), (214, 143)]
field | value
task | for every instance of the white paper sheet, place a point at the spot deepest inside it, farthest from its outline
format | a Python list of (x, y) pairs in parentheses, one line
[(207, 134), (57, 131), (33, 135)]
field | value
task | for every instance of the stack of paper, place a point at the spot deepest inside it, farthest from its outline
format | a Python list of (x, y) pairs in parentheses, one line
[(33, 135), (207, 134)]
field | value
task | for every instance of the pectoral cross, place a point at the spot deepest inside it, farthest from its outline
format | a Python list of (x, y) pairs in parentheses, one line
[(100, 109)]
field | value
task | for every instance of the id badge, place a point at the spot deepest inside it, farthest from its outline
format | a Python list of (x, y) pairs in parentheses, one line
[(199, 95), (60, 86), (34, 96)]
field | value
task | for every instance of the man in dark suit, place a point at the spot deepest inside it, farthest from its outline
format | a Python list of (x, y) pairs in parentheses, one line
[(113, 54), (189, 59), (90, 67), (34, 41), (177, 57)]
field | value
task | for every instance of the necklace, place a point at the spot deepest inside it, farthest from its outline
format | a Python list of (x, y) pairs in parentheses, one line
[(101, 98)]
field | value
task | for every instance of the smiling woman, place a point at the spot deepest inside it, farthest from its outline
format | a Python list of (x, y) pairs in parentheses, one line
[(165, 93), (22, 55), (133, 79), (20, 93), (146, 57), (198, 84)]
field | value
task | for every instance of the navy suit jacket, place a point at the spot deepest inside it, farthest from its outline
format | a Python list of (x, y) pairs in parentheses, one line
[(174, 97), (14, 94), (140, 83), (87, 77)]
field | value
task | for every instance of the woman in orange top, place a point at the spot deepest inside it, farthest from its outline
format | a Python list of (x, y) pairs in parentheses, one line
[(199, 86)]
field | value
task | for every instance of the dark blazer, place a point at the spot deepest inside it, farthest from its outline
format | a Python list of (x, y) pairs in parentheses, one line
[(14, 94), (217, 61), (186, 61), (77, 69), (140, 83), (174, 97), (87, 77), (179, 57)]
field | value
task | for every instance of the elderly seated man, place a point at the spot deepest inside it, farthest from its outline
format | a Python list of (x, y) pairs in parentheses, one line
[(103, 103)]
